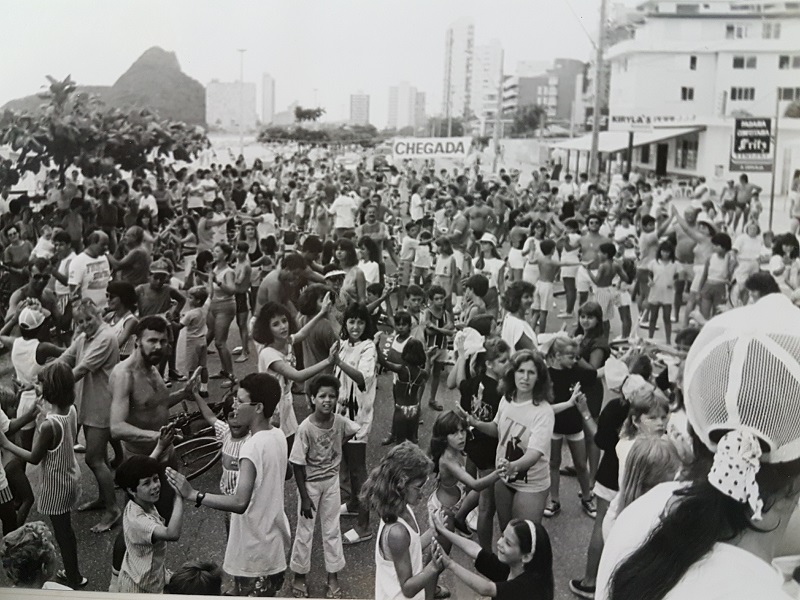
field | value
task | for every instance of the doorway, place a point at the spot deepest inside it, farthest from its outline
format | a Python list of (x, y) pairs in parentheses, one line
[(662, 153)]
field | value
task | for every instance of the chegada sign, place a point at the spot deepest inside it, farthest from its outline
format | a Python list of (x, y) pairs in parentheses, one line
[(431, 147)]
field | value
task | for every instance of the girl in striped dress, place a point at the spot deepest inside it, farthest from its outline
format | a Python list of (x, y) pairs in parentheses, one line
[(60, 475)]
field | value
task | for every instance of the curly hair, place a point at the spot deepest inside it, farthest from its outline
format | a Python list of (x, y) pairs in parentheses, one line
[(358, 310), (512, 299), (386, 487), (542, 389), (445, 424), (25, 551), (261, 329)]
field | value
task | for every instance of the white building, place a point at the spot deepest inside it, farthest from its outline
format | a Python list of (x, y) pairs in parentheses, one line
[(406, 106), (690, 70), (487, 75), (458, 55), (267, 99), (229, 104), (359, 108)]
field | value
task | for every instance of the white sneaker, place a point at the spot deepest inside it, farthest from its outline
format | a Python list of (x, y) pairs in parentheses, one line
[(564, 315), (472, 519)]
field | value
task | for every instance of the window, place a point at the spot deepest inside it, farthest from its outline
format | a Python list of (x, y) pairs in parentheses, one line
[(783, 61), (693, 63), (742, 93), (687, 93), (796, 62), (729, 32), (744, 62), (686, 153), (687, 9), (771, 31), (644, 154), (790, 94)]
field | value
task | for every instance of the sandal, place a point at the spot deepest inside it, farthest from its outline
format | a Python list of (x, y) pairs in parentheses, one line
[(61, 576), (351, 538), (300, 592), (333, 593)]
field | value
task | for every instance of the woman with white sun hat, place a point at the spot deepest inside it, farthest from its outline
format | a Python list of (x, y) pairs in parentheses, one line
[(716, 535)]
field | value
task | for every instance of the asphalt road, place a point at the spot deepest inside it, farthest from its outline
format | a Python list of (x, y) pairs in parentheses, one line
[(203, 535)]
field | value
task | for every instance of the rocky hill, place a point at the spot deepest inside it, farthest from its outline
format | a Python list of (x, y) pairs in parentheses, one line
[(154, 81)]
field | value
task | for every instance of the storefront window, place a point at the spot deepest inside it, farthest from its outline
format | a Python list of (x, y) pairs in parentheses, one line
[(686, 152)]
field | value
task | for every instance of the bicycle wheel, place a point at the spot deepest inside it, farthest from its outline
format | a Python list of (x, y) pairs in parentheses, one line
[(198, 455)]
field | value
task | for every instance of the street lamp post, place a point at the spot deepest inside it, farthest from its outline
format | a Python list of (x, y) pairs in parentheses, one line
[(241, 100)]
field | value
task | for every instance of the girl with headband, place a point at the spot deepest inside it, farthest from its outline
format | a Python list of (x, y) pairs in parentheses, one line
[(522, 567)]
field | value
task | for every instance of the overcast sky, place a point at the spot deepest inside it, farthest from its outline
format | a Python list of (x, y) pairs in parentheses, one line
[(337, 47)]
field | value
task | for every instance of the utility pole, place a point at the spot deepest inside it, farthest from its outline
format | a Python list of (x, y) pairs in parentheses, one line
[(774, 156), (498, 117), (594, 163), (241, 99)]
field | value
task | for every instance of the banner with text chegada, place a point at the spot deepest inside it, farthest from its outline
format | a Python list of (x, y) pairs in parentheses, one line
[(431, 147)]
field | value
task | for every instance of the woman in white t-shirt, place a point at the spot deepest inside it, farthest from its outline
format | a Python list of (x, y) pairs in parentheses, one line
[(369, 260), (516, 331), (523, 425)]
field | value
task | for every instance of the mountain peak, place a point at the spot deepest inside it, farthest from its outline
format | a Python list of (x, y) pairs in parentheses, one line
[(154, 58)]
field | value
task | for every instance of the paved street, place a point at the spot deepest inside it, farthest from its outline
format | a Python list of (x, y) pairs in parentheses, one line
[(203, 535)]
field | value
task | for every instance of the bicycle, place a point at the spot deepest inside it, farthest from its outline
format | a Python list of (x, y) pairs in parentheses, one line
[(200, 449)]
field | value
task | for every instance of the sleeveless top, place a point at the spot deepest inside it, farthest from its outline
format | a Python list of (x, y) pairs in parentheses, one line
[(117, 328), (60, 483), (23, 357), (217, 295), (387, 587)]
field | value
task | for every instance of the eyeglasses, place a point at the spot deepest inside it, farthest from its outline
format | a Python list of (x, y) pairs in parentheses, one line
[(40, 276)]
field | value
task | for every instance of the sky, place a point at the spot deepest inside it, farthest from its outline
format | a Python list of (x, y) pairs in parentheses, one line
[(318, 51)]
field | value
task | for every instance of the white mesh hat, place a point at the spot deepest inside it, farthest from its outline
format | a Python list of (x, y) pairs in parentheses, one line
[(743, 371)]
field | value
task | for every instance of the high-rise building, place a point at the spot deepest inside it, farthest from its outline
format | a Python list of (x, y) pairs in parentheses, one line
[(267, 99), (359, 108), (458, 56), (230, 104), (487, 74), (420, 117), (406, 107)]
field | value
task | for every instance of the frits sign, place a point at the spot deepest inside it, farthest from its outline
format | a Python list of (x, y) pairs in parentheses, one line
[(752, 145)]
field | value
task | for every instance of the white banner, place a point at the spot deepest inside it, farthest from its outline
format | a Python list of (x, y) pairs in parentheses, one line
[(431, 147)]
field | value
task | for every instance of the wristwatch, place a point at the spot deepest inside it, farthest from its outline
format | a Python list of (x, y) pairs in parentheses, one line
[(199, 500)]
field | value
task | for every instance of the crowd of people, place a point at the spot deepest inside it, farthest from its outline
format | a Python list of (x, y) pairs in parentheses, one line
[(121, 287)]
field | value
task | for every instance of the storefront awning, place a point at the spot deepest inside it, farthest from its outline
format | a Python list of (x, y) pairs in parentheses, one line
[(616, 141)]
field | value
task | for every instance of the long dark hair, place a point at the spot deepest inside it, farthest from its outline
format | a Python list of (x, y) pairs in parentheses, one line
[(445, 424), (701, 517), (261, 330), (357, 310), (349, 248), (542, 562), (591, 309)]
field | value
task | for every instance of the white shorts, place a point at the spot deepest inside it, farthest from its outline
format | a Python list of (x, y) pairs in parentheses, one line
[(543, 296), (583, 282), (607, 298), (624, 298), (570, 437), (530, 273), (515, 259), (459, 256), (603, 492), (569, 272)]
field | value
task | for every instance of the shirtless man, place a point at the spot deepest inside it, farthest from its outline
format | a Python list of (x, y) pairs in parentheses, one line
[(590, 244), (140, 404), (481, 218), (140, 401), (605, 293)]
